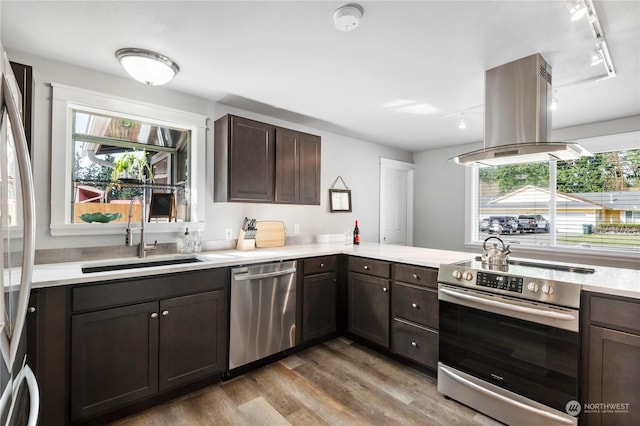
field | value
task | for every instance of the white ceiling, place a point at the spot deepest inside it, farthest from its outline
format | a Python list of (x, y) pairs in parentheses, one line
[(285, 59)]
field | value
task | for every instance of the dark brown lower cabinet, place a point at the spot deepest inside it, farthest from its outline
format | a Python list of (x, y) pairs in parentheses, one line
[(368, 302), (191, 346), (114, 358), (415, 342), (124, 354), (319, 306), (414, 331), (611, 348)]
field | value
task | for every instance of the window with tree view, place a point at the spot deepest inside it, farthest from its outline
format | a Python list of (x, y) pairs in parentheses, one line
[(121, 166), (591, 203)]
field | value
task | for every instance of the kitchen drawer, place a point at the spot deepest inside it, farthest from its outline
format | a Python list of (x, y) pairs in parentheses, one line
[(415, 342), (126, 292), (318, 265), (369, 266), (621, 313), (416, 275), (415, 303)]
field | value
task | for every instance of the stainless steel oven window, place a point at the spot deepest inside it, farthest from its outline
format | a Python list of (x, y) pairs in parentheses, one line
[(537, 361)]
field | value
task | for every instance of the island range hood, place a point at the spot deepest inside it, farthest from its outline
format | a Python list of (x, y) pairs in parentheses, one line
[(517, 117)]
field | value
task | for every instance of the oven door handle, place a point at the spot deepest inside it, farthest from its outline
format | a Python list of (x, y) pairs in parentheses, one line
[(510, 307), (503, 398)]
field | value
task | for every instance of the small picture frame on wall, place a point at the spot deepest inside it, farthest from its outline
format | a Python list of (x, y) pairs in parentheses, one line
[(340, 200)]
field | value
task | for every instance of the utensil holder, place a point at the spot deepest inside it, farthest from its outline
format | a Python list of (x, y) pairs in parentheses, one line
[(245, 242)]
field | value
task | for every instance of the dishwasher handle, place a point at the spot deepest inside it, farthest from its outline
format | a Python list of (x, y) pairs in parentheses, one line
[(245, 276)]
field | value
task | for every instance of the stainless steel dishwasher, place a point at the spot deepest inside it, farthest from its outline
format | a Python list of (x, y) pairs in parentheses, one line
[(263, 311)]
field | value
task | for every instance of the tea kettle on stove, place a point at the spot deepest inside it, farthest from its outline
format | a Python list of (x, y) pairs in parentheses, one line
[(495, 256)]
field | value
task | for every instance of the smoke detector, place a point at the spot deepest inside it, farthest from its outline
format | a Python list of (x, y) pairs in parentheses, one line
[(347, 18)]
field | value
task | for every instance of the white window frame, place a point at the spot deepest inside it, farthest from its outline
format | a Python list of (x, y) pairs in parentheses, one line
[(606, 143), (65, 99)]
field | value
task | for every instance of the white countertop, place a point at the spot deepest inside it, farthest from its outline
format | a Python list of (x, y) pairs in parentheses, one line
[(615, 281)]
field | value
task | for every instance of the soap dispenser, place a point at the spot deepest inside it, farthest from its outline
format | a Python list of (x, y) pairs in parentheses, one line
[(187, 243)]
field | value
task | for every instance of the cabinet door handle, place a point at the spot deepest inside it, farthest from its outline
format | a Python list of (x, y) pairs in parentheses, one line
[(32, 309), (366, 267), (154, 315), (414, 344), (165, 313), (385, 289), (416, 277), (414, 305)]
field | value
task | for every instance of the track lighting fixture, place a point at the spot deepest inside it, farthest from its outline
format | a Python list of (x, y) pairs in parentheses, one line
[(596, 56), (577, 9)]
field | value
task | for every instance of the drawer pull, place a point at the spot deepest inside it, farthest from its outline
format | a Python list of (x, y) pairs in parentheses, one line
[(416, 277), (366, 267), (32, 309), (385, 289), (154, 315), (165, 313), (414, 305), (322, 265), (414, 344)]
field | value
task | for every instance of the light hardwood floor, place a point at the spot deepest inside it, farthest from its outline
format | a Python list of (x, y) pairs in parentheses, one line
[(334, 383)]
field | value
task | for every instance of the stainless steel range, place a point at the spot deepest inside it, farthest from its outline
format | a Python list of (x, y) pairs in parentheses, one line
[(508, 339)]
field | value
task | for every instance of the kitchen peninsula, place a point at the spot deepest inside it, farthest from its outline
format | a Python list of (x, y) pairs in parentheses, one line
[(71, 303)]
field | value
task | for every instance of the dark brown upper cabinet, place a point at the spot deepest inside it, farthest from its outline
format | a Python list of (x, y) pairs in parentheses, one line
[(259, 162), (297, 167), (244, 160)]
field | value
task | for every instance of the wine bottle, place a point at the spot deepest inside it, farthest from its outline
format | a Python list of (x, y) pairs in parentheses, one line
[(356, 234)]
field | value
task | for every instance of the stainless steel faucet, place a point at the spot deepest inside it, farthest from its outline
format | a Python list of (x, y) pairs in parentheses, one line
[(143, 248)]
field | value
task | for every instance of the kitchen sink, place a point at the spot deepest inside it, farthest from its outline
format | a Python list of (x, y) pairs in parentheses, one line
[(142, 263)]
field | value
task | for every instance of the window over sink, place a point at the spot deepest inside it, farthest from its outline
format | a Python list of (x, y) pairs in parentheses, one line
[(116, 156)]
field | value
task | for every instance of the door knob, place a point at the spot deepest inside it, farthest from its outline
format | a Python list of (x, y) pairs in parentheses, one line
[(154, 315), (165, 313)]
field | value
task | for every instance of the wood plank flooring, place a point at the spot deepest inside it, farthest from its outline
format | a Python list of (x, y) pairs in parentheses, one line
[(335, 383)]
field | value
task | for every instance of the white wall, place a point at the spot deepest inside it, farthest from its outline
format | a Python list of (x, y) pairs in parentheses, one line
[(355, 160), (439, 205)]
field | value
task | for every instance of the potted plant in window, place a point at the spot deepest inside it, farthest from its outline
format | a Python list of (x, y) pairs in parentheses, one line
[(131, 166)]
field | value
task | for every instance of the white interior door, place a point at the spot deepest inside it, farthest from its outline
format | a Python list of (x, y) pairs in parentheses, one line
[(396, 202)]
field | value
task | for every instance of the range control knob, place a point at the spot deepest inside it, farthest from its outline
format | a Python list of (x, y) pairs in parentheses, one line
[(457, 275), (547, 289), (468, 276), (533, 287)]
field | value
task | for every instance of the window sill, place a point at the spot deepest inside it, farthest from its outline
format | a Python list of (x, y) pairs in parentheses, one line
[(120, 228)]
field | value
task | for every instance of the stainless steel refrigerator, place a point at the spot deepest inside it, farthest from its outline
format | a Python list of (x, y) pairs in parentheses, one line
[(19, 400)]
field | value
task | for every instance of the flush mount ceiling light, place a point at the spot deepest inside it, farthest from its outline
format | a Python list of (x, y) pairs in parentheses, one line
[(146, 66), (347, 18)]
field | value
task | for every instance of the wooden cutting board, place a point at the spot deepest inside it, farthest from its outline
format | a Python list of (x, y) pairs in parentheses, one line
[(270, 233)]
